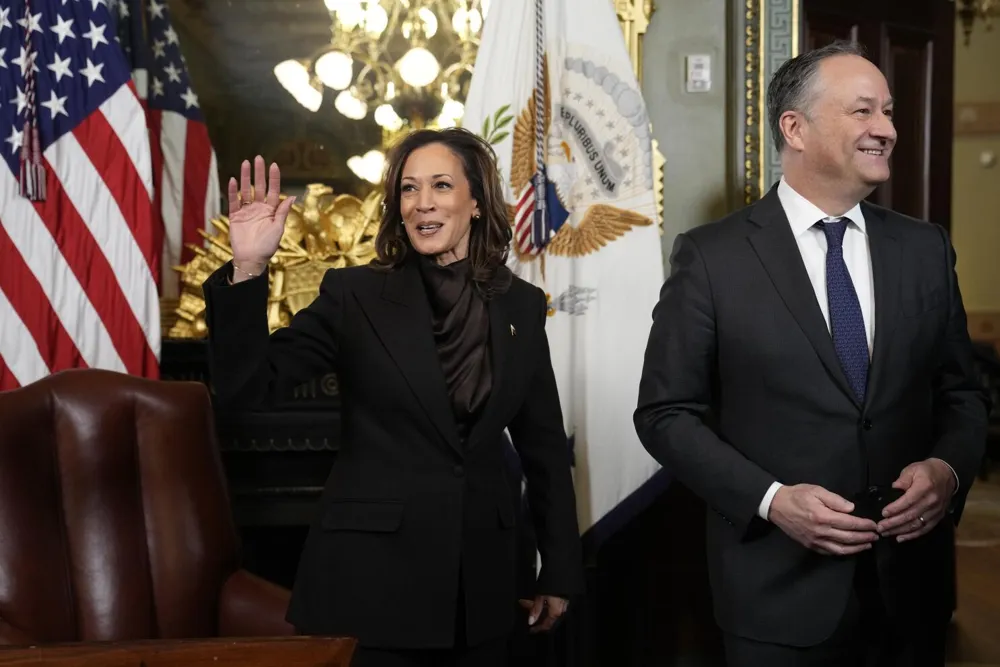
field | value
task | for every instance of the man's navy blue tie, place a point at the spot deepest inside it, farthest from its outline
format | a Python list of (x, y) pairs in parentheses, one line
[(846, 322)]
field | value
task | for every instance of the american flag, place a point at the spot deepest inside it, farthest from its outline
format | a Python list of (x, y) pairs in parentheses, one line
[(524, 222), (77, 261), (185, 172), (533, 216)]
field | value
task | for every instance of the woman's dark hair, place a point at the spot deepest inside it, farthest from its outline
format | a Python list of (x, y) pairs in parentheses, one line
[(491, 233)]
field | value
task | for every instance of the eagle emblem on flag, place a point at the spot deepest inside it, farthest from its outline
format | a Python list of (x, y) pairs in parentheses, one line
[(589, 151), (555, 93)]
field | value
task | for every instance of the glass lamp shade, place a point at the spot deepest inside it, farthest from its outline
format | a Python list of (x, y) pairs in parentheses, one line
[(339, 5), (387, 117), (430, 21), (418, 67), (428, 24), (294, 77), (349, 105), (369, 167), (466, 23), (350, 14), (376, 20), (335, 69), (451, 113)]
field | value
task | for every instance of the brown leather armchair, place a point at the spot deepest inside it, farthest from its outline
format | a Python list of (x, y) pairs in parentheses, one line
[(115, 522)]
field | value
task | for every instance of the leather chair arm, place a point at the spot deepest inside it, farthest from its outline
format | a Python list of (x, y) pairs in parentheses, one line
[(252, 607)]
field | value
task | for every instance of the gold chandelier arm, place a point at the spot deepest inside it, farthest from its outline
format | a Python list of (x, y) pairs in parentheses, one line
[(392, 28), (376, 78), (382, 74)]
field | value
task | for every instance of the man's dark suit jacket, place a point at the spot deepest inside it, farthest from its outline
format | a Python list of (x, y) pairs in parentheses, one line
[(742, 387), (408, 508)]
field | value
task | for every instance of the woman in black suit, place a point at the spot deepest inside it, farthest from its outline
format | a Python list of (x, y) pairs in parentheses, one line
[(438, 348)]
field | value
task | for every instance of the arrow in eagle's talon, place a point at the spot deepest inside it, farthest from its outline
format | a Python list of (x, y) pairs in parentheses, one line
[(513, 331)]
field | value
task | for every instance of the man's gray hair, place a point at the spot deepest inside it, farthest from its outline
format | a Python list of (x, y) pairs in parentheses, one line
[(791, 86)]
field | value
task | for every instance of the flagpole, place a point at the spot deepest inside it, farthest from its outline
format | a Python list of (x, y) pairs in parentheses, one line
[(540, 217)]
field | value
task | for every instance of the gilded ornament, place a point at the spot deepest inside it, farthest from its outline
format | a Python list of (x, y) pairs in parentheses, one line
[(323, 231)]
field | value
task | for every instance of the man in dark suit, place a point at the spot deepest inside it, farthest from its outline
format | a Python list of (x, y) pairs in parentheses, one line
[(809, 375)]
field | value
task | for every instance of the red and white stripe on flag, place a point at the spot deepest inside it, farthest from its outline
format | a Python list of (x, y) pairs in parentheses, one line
[(187, 184), (524, 216), (77, 267), (185, 173)]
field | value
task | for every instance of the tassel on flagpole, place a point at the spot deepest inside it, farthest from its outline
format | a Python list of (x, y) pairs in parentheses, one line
[(32, 173), (32, 170)]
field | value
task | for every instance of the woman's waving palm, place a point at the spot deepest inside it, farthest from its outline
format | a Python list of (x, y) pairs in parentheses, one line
[(257, 221)]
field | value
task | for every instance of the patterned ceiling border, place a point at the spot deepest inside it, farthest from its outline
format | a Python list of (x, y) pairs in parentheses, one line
[(768, 32)]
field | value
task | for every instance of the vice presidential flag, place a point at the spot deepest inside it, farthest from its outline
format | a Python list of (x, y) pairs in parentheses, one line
[(554, 92)]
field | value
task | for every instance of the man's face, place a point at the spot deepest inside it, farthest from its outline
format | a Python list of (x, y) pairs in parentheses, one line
[(847, 134)]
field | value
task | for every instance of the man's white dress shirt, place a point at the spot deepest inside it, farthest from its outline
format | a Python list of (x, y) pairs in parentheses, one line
[(802, 217)]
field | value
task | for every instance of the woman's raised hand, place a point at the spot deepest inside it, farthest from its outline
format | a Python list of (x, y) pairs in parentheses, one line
[(257, 221)]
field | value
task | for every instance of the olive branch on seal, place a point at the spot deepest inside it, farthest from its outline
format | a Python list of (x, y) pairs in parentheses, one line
[(495, 133)]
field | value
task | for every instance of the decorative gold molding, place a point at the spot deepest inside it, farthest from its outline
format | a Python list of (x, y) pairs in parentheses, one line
[(770, 33), (634, 17), (753, 75), (977, 118), (323, 231)]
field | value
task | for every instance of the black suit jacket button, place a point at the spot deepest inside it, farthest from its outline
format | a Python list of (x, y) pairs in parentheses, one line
[(866, 424), (459, 471)]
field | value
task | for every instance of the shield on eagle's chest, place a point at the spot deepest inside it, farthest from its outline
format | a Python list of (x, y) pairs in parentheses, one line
[(596, 161)]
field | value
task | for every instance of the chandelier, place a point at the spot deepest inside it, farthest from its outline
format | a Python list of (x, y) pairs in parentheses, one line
[(970, 10), (407, 62)]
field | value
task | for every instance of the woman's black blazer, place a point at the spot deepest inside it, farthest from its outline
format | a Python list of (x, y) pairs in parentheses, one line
[(408, 508)]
